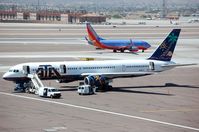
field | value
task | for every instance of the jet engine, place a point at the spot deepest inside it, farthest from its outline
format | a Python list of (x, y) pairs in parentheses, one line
[(133, 49), (98, 81)]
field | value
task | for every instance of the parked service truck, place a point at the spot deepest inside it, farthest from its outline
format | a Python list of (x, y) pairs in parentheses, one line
[(86, 90), (49, 92)]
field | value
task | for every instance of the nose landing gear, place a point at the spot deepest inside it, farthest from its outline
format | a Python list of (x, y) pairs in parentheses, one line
[(21, 86)]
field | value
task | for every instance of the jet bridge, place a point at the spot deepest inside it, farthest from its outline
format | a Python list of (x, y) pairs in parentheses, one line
[(36, 84)]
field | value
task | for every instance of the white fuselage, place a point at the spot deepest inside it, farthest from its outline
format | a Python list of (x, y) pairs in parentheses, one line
[(115, 68)]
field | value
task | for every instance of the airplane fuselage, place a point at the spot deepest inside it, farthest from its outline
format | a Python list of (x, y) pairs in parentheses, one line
[(77, 70), (125, 44)]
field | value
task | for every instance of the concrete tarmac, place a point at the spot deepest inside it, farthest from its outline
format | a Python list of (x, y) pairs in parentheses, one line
[(166, 101), (170, 97)]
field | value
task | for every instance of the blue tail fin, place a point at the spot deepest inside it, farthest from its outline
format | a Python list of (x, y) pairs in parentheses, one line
[(165, 51)]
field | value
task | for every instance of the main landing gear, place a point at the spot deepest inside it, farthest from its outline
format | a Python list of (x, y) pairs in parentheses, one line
[(122, 50), (104, 88)]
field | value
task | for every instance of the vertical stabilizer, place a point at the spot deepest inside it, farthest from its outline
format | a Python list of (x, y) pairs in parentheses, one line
[(92, 35), (165, 51)]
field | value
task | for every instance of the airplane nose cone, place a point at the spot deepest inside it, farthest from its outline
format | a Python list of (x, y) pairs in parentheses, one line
[(5, 76), (148, 45)]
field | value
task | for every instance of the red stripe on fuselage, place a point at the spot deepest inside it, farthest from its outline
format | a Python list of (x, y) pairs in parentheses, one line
[(141, 47)]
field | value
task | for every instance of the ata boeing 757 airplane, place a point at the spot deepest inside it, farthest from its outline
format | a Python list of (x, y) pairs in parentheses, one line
[(115, 45), (98, 73)]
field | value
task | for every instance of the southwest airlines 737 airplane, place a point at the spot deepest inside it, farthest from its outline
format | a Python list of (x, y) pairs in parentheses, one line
[(115, 45), (98, 73)]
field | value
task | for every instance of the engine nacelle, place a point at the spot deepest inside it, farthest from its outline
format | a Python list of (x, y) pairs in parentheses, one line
[(96, 81), (133, 48)]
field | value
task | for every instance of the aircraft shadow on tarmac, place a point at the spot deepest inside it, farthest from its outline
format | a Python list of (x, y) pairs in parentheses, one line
[(68, 88), (129, 89), (126, 89), (123, 89)]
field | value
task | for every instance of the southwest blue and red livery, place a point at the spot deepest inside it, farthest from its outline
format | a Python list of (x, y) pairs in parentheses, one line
[(115, 45)]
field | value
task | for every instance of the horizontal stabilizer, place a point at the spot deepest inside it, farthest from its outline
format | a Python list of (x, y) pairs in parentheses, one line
[(89, 42), (177, 65)]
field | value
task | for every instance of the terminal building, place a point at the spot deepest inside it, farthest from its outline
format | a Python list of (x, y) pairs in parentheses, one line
[(37, 17), (82, 18), (50, 17), (8, 15)]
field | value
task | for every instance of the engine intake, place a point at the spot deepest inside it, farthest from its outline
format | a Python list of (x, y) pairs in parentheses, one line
[(96, 81)]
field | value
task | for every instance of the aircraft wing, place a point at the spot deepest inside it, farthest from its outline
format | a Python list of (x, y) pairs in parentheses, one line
[(118, 74)]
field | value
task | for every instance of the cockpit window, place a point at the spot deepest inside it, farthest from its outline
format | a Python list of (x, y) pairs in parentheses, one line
[(15, 70)]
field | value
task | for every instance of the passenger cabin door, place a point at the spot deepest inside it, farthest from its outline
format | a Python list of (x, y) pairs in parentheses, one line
[(151, 66), (26, 70), (63, 69)]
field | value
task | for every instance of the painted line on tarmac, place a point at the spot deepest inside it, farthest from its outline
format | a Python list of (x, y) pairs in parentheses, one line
[(102, 111), (170, 110)]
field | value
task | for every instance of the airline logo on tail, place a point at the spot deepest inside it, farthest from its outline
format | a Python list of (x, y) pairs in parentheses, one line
[(166, 49), (92, 35), (94, 39)]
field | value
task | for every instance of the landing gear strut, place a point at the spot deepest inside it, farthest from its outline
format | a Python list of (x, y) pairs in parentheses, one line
[(122, 50), (104, 88)]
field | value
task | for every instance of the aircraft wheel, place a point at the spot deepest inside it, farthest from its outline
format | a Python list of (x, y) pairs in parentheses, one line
[(114, 50), (110, 87), (27, 90), (122, 50)]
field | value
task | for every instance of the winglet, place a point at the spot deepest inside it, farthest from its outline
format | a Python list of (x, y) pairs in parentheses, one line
[(165, 51)]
